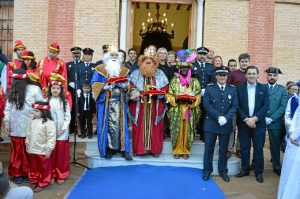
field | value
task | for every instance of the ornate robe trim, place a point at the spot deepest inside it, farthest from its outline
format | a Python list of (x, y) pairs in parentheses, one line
[(101, 69), (97, 88), (138, 79)]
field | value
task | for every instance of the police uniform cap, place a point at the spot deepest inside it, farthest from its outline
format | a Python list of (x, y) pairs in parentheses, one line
[(222, 70), (202, 50), (273, 70), (88, 51), (75, 50)]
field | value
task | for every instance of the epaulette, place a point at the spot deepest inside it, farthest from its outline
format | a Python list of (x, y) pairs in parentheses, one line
[(231, 85), (210, 84), (281, 86)]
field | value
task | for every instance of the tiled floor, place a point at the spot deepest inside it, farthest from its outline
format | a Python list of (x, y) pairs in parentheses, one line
[(237, 188)]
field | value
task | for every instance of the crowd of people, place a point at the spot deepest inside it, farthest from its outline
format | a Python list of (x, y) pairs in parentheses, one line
[(158, 94)]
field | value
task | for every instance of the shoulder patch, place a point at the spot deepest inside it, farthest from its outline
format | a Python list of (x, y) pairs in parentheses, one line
[(210, 84), (231, 85)]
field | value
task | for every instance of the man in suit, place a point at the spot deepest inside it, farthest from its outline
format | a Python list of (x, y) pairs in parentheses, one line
[(205, 74), (253, 107), (278, 100), (86, 110), (76, 55), (221, 103)]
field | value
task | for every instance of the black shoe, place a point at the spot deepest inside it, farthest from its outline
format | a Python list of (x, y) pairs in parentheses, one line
[(95, 133), (206, 176), (225, 177), (90, 136), (277, 171), (18, 180), (1, 139), (108, 156), (259, 178), (242, 174), (126, 156), (83, 136)]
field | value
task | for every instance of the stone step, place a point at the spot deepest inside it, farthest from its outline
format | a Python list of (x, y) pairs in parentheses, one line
[(197, 147), (195, 161)]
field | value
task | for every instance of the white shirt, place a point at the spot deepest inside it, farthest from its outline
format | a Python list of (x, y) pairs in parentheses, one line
[(88, 96), (220, 86), (272, 85), (251, 98)]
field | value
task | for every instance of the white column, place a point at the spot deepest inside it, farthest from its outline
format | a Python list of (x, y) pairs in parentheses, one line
[(123, 25), (199, 23)]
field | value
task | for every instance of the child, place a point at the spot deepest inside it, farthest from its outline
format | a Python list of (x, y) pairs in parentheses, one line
[(40, 142), (60, 111), (18, 113), (86, 111)]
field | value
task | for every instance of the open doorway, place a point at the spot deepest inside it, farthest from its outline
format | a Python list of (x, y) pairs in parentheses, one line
[(175, 19)]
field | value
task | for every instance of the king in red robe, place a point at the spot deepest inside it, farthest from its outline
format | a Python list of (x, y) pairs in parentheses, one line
[(147, 110), (53, 64)]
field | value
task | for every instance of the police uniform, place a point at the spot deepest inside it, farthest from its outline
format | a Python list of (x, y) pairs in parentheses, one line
[(205, 73), (71, 66), (275, 123), (86, 70), (219, 102)]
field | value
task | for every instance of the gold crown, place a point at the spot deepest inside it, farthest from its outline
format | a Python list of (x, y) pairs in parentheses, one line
[(112, 48), (149, 52)]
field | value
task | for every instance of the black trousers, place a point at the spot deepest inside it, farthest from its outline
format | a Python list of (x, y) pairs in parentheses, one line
[(86, 124), (72, 125)]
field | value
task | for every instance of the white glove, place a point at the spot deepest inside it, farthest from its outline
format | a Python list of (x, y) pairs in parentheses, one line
[(160, 96), (268, 120), (78, 92), (107, 87), (222, 120), (72, 84), (202, 92), (121, 85)]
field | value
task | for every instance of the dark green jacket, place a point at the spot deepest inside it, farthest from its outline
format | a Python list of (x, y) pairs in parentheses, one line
[(278, 99)]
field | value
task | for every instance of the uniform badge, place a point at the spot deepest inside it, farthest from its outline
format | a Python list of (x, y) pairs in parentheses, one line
[(195, 68), (229, 96), (69, 66)]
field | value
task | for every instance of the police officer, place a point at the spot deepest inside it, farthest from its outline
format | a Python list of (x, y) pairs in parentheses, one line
[(220, 103), (71, 66), (86, 68), (205, 74), (278, 99)]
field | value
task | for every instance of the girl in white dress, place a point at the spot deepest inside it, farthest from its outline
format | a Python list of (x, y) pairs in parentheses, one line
[(60, 111), (18, 113), (289, 185)]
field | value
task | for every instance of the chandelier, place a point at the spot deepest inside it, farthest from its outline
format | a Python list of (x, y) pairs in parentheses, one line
[(156, 26)]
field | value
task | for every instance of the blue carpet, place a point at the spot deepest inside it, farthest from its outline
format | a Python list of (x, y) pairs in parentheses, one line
[(143, 182)]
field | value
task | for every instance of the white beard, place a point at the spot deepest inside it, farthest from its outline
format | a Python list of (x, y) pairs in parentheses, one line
[(113, 68)]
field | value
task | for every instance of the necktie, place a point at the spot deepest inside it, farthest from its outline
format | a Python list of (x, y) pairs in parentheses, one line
[(271, 88), (202, 65), (222, 88), (87, 102)]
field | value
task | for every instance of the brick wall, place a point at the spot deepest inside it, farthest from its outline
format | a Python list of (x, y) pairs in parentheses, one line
[(260, 33), (286, 44), (31, 25), (96, 23), (226, 27), (60, 25)]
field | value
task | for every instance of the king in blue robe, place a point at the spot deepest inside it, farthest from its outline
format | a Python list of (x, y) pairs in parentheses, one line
[(112, 123)]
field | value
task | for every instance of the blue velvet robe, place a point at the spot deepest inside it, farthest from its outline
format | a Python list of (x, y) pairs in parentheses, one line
[(101, 97)]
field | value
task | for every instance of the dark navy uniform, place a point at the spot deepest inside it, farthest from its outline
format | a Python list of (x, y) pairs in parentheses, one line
[(71, 82), (218, 101), (204, 72), (86, 71)]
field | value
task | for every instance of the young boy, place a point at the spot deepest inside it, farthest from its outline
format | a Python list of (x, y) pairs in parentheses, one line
[(86, 111)]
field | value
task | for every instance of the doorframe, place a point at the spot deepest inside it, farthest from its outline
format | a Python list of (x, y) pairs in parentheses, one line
[(192, 19)]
